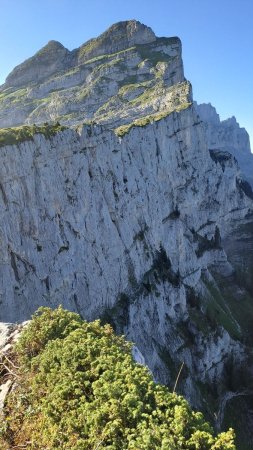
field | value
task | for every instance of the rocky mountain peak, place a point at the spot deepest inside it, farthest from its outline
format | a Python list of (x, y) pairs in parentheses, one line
[(53, 45), (133, 30), (138, 216), (48, 60), (125, 74), (118, 37), (227, 136)]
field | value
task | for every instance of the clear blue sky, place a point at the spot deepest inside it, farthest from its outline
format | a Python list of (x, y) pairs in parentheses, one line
[(217, 37)]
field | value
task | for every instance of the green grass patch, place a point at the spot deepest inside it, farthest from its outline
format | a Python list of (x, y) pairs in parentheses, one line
[(219, 311), (13, 96), (15, 135), (146, 120), (239, 301)]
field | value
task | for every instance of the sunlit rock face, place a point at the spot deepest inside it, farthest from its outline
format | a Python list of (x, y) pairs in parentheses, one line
[(142, 219), (226, 135), (124, 74), (86, 215)]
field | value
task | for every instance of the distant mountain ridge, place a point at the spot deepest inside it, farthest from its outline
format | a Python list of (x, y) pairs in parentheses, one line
[(228, 136)]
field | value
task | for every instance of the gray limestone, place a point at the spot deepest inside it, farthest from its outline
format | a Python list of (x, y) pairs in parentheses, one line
[(227, 136), (124, 74)]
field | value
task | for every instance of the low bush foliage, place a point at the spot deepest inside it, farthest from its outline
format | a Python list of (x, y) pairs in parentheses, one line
[(78, 388)]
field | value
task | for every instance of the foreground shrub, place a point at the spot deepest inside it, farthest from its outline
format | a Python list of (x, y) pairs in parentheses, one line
[(79, 389)]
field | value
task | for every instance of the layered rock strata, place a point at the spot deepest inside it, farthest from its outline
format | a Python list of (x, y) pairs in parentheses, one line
[(124, 74)]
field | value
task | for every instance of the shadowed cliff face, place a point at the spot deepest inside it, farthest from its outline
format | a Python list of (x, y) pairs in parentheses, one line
[(132, 220)]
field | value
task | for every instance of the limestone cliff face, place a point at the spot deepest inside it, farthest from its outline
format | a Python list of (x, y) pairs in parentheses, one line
[(226, 135), (84, 217), (136, 219), (127, 229)]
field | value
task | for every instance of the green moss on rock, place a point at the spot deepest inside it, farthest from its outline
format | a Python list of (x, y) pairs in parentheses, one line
[(15, 135), (146, 120)]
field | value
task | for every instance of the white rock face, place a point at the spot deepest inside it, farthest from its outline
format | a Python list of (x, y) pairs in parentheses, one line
[(123, 229), (79, 211), (226, 135)]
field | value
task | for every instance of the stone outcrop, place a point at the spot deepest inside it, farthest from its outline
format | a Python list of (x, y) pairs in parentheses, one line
[(227, 136), (118, 37), (9, 334), (49, 60)]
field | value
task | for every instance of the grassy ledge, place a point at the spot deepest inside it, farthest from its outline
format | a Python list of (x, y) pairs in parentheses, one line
[(15, 135), (146, 120)]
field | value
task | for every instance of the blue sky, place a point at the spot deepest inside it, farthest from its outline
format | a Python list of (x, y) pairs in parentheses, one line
[(217, 38)]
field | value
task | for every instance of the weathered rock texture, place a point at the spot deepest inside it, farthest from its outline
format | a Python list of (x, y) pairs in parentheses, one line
[(127, 229), (227, 136), (133, 227), (124, 74)]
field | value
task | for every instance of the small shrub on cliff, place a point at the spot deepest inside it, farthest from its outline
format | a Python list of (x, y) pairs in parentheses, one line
[(79, 389)]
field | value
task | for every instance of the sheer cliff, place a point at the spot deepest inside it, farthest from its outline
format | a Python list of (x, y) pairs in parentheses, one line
[(130, 217), (226, 135)]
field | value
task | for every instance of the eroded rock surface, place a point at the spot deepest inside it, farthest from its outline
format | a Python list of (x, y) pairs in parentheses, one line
[(134, 226), (124, 74), (227, 136)]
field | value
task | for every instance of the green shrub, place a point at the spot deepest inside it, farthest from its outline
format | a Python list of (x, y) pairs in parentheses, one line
[(80, 389)]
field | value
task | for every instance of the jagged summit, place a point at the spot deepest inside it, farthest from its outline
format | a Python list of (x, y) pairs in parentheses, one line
[(123, 75), (52, 44), (118, 37), (227, 136), (48, 60)]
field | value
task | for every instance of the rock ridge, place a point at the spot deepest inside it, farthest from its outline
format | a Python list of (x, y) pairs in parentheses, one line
[(227, 136)]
